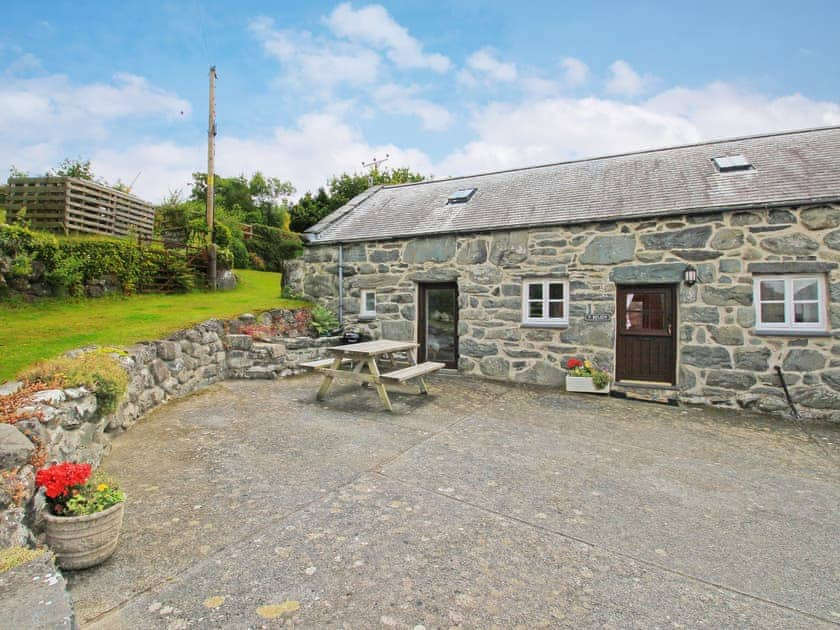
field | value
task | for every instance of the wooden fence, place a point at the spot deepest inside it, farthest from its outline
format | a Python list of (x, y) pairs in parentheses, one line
[(70, 206)]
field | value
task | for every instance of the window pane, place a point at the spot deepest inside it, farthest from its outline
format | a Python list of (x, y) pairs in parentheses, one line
[(555, 309), (805, 289), (370, 301), (773, 313), (555, 291), (535, 309), (535, 291), (806, 313), (646, 311), (772, 290)]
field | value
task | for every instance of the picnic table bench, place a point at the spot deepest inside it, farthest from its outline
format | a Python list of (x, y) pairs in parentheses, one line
[(365, 355)]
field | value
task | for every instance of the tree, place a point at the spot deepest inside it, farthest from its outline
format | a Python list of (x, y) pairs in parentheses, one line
[(258, 200), (16, 172), (309, 210), (342, 188), (274, 246), (73, 168)]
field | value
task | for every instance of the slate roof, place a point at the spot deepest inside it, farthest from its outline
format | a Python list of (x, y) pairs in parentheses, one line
[(790, 168)]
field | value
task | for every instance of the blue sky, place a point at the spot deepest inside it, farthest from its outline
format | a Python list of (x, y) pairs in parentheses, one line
[(308, 90)]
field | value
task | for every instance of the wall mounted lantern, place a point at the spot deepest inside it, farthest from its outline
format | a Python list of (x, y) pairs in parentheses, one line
[(690, 275)]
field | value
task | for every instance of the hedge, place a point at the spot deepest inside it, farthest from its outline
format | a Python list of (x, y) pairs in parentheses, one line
[(69, 263), (274, 245)]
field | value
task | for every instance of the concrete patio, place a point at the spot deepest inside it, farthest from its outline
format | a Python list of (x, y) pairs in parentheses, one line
[(482, 505)]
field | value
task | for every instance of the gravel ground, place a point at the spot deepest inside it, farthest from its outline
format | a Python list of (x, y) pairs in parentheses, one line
[(481, 505)]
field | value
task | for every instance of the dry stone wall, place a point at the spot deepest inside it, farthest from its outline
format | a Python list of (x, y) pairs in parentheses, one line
[(721, 358), (70, 426)]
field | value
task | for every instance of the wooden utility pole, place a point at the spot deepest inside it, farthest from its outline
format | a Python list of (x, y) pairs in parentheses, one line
[(211, 157)]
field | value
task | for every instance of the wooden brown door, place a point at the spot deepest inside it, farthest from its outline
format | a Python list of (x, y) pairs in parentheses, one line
[(437, 330), (646, 335)]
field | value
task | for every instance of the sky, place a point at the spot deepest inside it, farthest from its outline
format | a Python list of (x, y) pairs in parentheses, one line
[(310, 90)]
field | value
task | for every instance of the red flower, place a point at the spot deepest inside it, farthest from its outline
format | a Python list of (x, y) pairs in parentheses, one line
[(573, 363), (59, 480)]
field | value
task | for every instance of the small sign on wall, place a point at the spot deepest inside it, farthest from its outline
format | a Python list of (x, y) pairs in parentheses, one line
[(597, 317)]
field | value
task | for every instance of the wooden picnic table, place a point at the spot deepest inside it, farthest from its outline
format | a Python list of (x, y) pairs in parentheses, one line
[(348, 362)]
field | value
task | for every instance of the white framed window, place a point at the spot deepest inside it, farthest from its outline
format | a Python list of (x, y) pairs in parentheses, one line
[(368, 307), (789, 303), (545, 301)]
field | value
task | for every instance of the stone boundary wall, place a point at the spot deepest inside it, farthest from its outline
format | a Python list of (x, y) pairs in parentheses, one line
[(72, 428), (722, 360)]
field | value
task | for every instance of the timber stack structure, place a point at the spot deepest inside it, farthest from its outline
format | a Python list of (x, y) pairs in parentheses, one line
[(69, 205)]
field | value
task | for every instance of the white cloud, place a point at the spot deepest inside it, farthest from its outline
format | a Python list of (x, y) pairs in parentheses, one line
[(26, 64), (537, 86), (373, 25), (315, 147), (723, 110), (575, 71), (466, 78), (555, 129), (310, 61), (485, 62), (53, 107), (45, 119), (396, 99), (624, 81)]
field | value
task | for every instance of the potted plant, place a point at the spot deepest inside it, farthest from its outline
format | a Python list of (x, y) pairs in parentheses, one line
[(583, 376), (84, 516)]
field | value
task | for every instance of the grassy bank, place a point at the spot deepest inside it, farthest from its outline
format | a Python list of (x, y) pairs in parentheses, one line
[(29, 332)]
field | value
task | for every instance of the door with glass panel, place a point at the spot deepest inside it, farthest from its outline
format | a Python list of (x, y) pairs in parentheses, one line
[(437, 331), (646, 340)]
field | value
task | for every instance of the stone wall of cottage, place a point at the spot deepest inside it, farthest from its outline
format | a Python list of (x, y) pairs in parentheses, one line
[(721, 358)]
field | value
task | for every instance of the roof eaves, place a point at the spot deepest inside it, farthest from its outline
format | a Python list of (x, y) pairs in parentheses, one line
[(338, 214), (603, 219)]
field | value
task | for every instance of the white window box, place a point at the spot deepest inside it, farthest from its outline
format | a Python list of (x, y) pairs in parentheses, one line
[(584, 384)]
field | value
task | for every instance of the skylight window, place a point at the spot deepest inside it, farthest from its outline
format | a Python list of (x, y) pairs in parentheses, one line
[(731, 163), (461, 196)]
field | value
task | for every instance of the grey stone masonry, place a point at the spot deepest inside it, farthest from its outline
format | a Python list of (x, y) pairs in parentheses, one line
[(722, 359)]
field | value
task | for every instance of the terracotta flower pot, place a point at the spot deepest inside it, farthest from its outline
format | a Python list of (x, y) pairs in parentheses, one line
[(80, 542), (584, 384)]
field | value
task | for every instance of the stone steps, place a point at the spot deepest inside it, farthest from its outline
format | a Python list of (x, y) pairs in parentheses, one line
[(662, 394)]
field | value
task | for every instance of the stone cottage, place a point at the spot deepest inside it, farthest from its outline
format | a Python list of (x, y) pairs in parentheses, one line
[(691, 273)]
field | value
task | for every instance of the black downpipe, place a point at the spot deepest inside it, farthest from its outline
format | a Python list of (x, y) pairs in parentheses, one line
[(787, 394)]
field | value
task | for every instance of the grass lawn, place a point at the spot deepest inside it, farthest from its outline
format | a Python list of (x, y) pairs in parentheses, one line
[(44, 329)]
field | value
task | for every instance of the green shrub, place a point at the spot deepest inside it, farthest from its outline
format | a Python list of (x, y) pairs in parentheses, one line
[(98, 372), (67, 276), (97, 495), (16, 240), (224, 258), (600, 379), (255, 261), (323, 320), (21, 266), (71, 262), (222, 235), (274, 245), (240, 255)]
